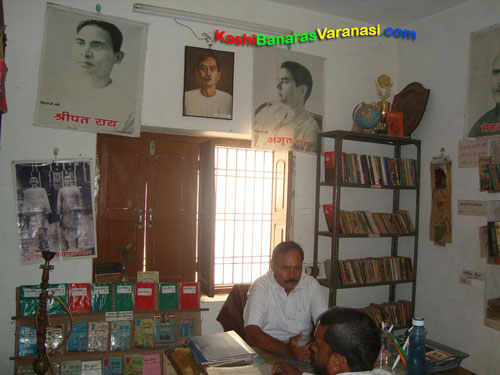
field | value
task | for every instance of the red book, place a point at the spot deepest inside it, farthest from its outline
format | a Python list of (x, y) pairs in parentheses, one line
[(329, 166), (395, 124), (188, 296), (144, 296), (79, 297)]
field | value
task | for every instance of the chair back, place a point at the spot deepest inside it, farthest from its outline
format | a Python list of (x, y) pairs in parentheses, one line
[(231, 313)]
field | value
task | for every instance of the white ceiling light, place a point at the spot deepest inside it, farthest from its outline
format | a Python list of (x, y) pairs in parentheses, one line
[(212, 20)]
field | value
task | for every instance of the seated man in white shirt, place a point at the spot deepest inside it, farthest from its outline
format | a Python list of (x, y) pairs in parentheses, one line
[(346, 341), (283, 304)]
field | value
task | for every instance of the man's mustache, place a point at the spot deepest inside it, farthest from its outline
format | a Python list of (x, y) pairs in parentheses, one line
[(291, 280)]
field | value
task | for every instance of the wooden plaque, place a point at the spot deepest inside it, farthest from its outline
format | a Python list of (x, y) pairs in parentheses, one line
[(412, 101)]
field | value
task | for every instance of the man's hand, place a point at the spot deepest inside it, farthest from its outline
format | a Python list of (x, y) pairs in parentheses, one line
[(301, 353), (285, 368)]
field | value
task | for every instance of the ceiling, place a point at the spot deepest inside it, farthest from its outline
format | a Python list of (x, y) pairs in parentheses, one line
[(384, 12)]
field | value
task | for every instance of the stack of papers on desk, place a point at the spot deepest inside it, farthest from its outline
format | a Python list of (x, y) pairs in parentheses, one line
[(221, 349)]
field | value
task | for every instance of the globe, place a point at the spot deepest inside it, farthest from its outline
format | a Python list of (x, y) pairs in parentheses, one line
[(367, 116)]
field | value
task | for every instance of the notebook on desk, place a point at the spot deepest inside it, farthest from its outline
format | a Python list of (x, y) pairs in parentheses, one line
[(221, 349)]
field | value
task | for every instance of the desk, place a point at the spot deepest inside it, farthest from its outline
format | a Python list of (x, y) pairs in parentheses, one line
[(183, 362)]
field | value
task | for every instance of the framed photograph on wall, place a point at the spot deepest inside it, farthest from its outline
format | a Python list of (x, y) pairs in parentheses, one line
[(288, 100), (91, 72), (483, 87), (208, 83), (55, 208)]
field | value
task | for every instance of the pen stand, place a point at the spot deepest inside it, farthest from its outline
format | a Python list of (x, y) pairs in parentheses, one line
[(383, 358)]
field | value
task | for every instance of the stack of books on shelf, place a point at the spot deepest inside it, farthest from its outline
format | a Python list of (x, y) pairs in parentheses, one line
[(148, 364), (221, 349), (398, 313), (372, 170), (493, 242), (489, 175), (493, 309), (375, 270), (370, 223)]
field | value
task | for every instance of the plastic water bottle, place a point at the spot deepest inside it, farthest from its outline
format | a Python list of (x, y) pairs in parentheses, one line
[(415, 363)]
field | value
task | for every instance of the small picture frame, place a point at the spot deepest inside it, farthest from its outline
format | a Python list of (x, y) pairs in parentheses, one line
[(208, 83)]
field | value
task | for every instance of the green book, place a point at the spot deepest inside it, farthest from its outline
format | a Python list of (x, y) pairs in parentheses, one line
[(133, 365), (101, 297), (30, 294), (123, 296), (28, 299), (60, 291), (112, 366), (71, 368), (168, 296)]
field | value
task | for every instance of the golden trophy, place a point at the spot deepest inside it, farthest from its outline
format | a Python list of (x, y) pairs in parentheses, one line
[(384, 87)]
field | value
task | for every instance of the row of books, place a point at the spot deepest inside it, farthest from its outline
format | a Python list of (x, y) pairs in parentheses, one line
[(489, 174), (398, 313), (372, 170), (375, 270), (119, 296), (161, 331), (148, 364), (370, 223), (493, 309), (493, 239)]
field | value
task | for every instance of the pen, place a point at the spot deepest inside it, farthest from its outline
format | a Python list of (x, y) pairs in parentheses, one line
[(405, 345), (399, 349)]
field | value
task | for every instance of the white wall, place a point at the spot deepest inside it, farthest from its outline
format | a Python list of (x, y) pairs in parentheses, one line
[(351, 68), (454, 313)]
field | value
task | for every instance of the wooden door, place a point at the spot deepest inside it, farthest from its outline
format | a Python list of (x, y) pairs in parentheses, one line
[(122, 181), (148, 197), (171, 208), (206, 221)]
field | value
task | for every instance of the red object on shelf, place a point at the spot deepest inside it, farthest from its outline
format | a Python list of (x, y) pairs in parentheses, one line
[(394, 124), (79, 297), (329, 166), (144, 297), (189, 296), (328, 210)]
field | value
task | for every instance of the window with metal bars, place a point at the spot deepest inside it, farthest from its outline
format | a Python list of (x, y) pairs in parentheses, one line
[(244, 186)]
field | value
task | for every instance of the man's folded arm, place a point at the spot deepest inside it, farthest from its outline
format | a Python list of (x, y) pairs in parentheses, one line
[(254, 336)]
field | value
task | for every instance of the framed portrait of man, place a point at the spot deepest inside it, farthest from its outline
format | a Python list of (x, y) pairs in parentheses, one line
[(208, 83), (288, 100), (482, 117), (55, 208), (91, 72)]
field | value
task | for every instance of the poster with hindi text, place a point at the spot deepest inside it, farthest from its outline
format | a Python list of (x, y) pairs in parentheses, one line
[(288, 100), (91, 72)]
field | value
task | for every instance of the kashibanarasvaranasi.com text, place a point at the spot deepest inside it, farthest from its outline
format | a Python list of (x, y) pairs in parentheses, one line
[(319, 34)]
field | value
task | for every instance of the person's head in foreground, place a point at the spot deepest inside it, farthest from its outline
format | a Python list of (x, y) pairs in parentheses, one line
[(346, 340)]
